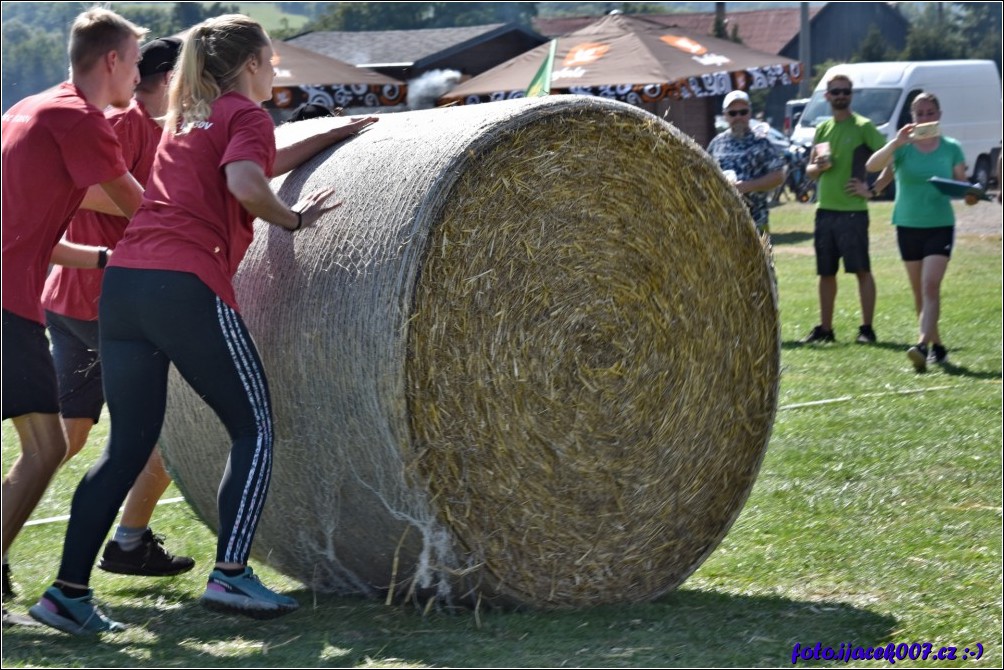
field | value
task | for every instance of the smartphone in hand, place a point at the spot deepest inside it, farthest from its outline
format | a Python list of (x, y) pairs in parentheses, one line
[(925, 131)]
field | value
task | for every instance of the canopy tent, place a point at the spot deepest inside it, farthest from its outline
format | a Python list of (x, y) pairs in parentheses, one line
[(636, 61), (305, 76)]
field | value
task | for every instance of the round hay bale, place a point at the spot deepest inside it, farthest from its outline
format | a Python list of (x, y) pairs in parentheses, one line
[(533, 359)]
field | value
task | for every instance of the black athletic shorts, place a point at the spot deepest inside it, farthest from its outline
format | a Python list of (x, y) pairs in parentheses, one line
[(78, 369), (841, 235), (916, 244), (29, 377)]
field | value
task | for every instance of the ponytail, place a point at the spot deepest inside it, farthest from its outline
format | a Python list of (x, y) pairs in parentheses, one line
[(214, 53)]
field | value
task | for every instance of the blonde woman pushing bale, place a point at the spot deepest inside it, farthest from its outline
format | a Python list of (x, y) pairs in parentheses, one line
[(168, 298)]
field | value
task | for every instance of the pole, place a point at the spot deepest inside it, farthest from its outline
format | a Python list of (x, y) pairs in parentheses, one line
[(805, 52)]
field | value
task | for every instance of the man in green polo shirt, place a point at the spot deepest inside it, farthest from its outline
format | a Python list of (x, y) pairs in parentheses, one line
[(841, 147)]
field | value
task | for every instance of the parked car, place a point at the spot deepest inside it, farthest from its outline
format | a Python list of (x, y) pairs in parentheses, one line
[(792, 113), (775, 136)]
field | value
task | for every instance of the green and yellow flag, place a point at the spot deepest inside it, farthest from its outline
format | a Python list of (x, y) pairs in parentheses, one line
[(541, 83)]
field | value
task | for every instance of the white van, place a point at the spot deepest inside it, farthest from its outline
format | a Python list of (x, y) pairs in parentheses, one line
[(969, 92)]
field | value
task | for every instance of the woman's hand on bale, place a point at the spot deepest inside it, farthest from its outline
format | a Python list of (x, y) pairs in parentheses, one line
[(348, 127), (314, 205)]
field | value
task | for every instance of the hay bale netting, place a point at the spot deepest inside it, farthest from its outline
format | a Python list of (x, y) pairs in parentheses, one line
[(533, 358)]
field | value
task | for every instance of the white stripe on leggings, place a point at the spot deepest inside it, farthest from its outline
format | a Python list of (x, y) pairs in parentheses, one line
[(256, 484), (244, 534), (260, 488)]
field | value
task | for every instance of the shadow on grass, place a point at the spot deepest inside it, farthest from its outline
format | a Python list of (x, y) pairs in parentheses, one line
[(777, 239), (949, 368), (683, 629), (953, 370), (842, 343)]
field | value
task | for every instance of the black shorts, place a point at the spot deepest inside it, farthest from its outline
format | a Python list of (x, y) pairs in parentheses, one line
[(916, 244), (78, 370), (841, 235), (29, 377)]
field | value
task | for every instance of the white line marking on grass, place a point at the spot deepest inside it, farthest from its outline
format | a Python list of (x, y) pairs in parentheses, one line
[(845, 398), (66, 517), (798, 405)]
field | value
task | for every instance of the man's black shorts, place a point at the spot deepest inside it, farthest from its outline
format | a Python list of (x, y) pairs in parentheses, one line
[(916, 244), (29, 377), (78, 369), (841, 235)]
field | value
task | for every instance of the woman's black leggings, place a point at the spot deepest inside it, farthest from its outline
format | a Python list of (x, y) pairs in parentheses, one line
[(148, 320)]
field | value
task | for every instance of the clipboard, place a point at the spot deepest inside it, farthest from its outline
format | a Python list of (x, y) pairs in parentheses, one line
[(958, 189)]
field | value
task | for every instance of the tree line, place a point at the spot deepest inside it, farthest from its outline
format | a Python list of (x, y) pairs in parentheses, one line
[(33, 37), (34, 34)]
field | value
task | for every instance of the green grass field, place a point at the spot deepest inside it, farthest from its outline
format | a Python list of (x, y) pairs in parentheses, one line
[(267, 13), (876, 519), (271, 17)]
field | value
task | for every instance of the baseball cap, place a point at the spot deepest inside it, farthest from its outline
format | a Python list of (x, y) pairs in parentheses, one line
[(733, 97), (159, 55)]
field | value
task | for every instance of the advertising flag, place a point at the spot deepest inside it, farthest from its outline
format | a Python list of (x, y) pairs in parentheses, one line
[(541, 83)]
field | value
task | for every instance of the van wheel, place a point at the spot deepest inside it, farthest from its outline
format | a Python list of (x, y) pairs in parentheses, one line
[(981, 174)]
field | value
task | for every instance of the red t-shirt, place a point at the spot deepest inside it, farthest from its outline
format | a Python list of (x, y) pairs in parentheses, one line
[(74, 292), (189, 221), (55, 146)]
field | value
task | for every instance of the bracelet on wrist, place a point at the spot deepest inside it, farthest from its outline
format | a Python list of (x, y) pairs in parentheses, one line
[(102, 258), (299, 220)]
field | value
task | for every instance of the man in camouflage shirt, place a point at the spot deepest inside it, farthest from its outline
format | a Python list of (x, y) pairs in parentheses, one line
[(756, 164)]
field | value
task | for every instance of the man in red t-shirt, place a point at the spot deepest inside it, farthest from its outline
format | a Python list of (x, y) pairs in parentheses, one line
[(70, 300), (58, 152)]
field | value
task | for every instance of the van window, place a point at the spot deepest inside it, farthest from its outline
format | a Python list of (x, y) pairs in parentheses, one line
[(878, 104)]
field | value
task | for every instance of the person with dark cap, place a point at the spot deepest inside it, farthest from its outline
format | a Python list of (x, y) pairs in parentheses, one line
[(312, 110), (59, 153), (70, 299)]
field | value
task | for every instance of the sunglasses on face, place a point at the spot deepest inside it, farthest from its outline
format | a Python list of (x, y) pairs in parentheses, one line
[(738, 112), (839, 91)]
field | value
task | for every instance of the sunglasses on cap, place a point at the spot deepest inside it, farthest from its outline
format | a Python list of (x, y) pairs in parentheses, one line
[(839, 91), (738, 112)]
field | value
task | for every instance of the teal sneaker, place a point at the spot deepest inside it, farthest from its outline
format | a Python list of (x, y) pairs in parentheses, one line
[(245, 594), (76, 616)]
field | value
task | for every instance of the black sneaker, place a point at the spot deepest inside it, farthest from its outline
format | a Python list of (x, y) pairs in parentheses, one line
[(938, 355), (819, 334), (918, 356), (866, 335), (149, 559), (8, 587)]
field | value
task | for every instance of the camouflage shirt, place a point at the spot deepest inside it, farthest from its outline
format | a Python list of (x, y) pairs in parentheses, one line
[(750, 156)]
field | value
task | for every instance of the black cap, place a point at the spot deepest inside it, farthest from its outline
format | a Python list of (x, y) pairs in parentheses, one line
[(311, 110), (159, 55)]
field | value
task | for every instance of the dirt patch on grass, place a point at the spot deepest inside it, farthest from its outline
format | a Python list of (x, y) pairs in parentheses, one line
[(984, 219)]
